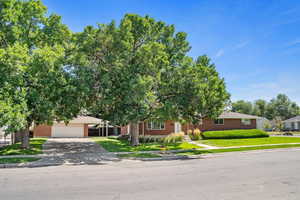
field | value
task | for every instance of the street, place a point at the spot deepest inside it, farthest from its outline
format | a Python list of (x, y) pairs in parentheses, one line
[(253, 175)]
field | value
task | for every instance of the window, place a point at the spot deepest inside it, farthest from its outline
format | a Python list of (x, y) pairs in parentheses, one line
[(200, 122), (219, 121), (156, 125), (246, 121)]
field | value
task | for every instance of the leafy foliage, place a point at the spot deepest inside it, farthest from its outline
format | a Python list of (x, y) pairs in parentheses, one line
[(232, 134), (36, 85), (125, 73), (139, 70), (281, 107), (173, 138), (195, 134)]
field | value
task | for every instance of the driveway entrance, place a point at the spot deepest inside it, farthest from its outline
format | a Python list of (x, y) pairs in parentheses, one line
[(74, 151)]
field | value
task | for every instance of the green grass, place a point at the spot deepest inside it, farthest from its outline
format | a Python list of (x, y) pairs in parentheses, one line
[(250, 141), (139, 155), (231, 134), (17, 160), (197, 152), (114, 145), (35, 148)]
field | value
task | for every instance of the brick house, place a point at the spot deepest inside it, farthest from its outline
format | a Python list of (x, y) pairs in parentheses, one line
[(226, 121), (77, 127)]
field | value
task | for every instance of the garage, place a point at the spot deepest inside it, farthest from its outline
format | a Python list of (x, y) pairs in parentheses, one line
[(71, 130), (76, 128)]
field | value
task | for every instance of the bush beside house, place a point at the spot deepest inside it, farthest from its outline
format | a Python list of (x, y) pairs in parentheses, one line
[(234, 134)]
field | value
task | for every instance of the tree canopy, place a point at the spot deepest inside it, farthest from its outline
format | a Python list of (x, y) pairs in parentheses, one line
[(35, 84), (139, 70), (125, 73), (280, 106)]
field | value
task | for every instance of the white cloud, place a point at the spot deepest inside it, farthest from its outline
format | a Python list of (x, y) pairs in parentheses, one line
[(293, 43), (241, 45), (219, 53)]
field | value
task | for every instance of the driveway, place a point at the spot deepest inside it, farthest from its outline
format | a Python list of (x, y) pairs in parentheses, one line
[(247, 176), (74, 151)]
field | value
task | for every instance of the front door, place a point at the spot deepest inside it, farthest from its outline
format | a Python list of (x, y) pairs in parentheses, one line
[(177, 127)]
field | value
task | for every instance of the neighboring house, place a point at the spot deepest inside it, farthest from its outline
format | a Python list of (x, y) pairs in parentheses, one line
[(261, 123), (226, 121), (293, 123), (77, 127)]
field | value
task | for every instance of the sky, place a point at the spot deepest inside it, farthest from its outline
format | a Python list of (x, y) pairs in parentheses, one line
[(255, 44)]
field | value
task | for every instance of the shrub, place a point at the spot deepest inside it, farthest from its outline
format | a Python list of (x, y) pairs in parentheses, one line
[(149, 139), (234, 134), (174, 137), (195, 135), (124, 137)]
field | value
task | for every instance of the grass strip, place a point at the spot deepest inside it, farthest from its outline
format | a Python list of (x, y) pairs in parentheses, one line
[(17, 160), (15, 149), (197, 152)]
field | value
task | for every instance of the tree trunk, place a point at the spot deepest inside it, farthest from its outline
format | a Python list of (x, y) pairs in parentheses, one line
[(134, 133), (16, 137), (25, 139)]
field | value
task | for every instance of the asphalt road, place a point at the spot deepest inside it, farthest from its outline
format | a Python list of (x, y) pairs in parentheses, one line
[(263, 175)]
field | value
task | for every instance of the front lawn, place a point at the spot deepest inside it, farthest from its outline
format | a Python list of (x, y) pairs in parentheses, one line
[(250, 141), (115, 145), (35, 148), (197, 152), (17, 160)]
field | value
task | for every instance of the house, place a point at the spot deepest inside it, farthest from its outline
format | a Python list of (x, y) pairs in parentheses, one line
[(77, 127), (261, 123), (226, 121), (292, 123)]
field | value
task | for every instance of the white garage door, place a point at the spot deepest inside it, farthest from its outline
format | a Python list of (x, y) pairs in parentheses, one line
[(72, 130)]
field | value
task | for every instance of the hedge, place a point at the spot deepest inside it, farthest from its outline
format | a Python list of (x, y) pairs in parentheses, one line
[(234, 134)]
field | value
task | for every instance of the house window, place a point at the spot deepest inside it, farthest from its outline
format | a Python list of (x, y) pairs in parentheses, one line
[(219, 121), (246, 121), (156, 125), (200, 122)]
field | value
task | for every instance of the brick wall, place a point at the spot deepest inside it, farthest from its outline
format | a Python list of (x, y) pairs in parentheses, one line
[(169, 128), (42, 131), (86, 130), (209, 125)]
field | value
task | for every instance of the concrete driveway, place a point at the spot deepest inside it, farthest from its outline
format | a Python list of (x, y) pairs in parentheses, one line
[(74, 151), (247, 176)]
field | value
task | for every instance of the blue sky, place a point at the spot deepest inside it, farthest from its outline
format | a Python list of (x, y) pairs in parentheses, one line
[(255, 44)]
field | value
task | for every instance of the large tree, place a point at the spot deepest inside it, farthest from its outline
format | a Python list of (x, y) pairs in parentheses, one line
[(193, 91), (139, 70), (34, 49), (260, 107), (242, 106), (279, 107), (282, 107)]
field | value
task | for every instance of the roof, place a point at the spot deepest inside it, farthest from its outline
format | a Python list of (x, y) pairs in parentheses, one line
[(297, 118), (235, 115), (85, 120)]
